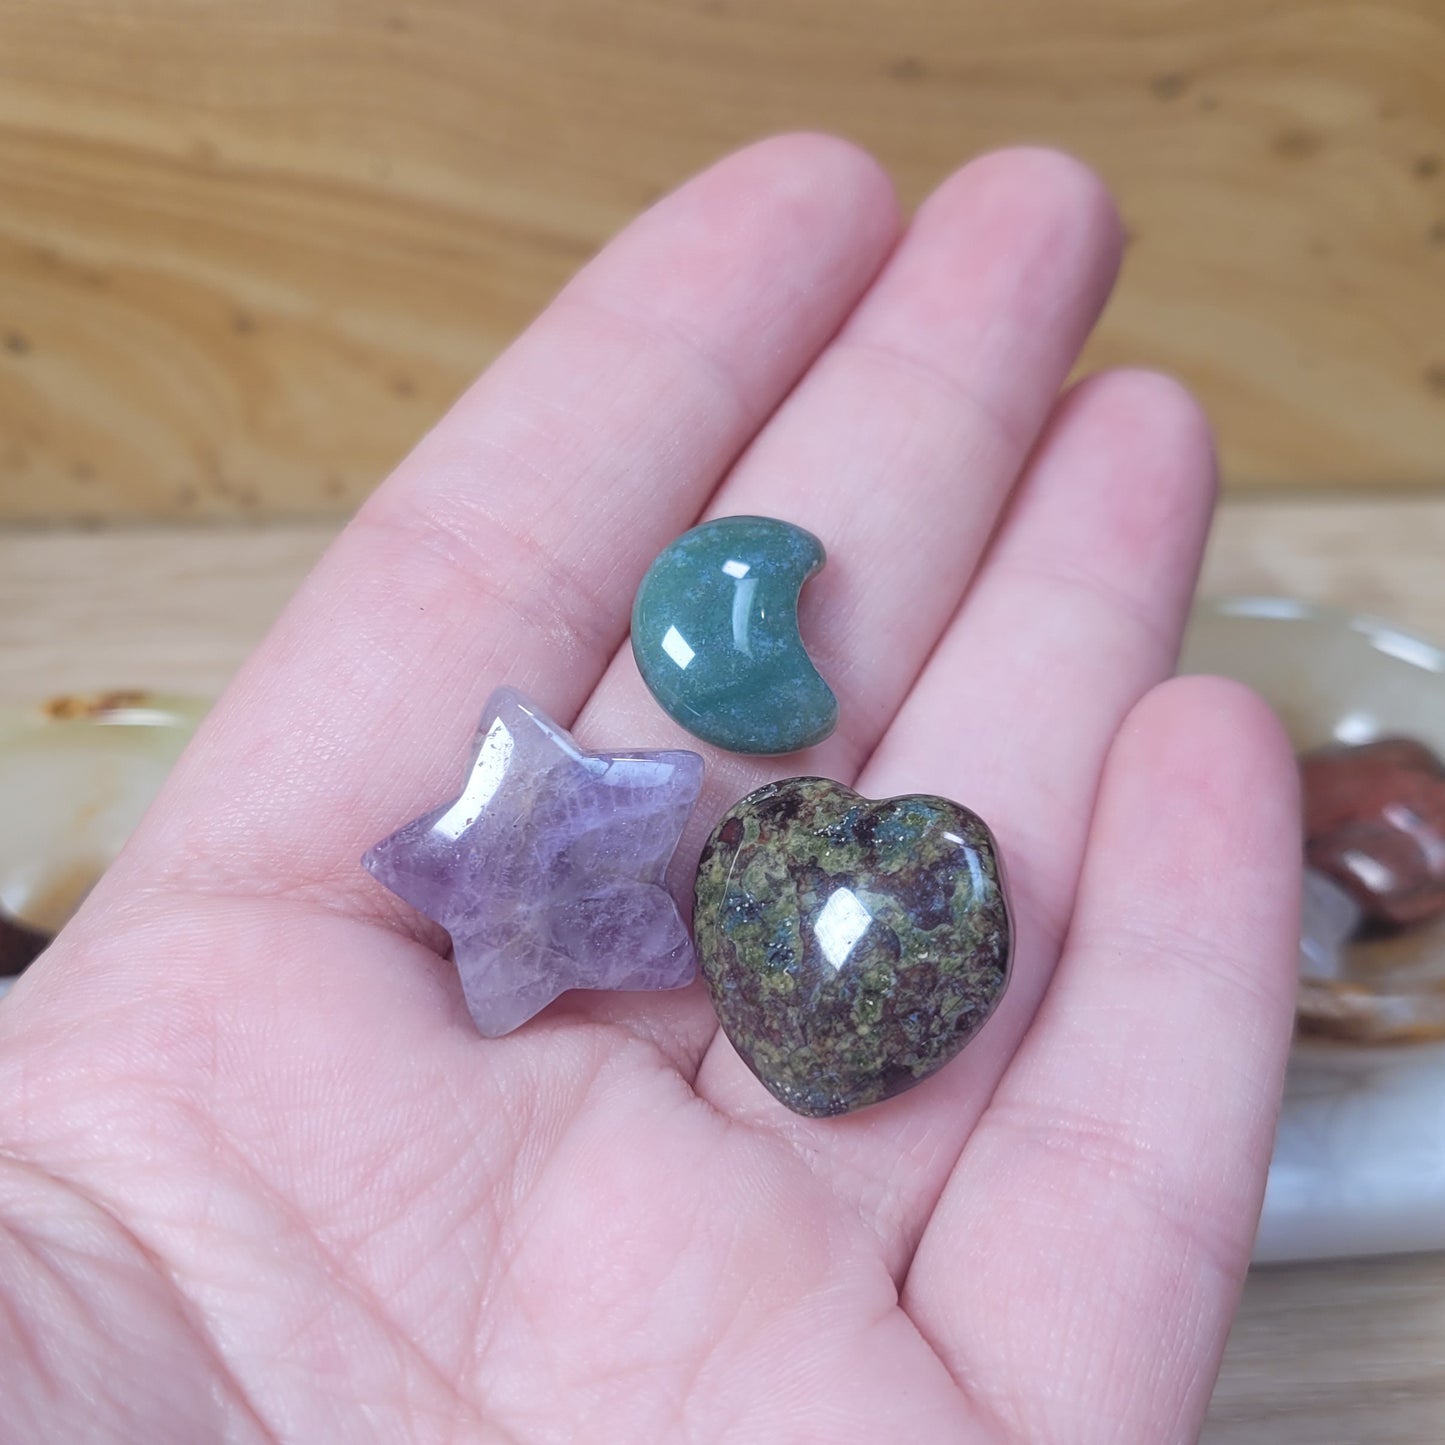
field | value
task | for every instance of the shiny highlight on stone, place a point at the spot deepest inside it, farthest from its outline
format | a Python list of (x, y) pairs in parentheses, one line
[(715, 635), (851, 947), (548, 868)]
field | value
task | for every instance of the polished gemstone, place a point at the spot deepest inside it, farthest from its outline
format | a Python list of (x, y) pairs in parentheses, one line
[(851, 948), (19, 944), (715, 635), (547, 870), (1375, 824)]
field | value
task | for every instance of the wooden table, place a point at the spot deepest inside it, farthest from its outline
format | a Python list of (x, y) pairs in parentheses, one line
[(1342, 1354), (249, 249)]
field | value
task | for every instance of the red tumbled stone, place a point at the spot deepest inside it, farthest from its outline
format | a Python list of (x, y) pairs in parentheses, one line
[(19, 944), (1374, 818)]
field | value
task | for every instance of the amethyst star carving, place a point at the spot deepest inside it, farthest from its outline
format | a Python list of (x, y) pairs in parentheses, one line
[(548, 870)]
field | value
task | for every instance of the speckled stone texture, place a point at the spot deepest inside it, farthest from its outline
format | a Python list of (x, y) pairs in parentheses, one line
[(715, 635), (851, 948), (548, 868)]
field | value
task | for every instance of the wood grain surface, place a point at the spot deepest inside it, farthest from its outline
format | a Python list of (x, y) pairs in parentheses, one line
[(1340, 1354), (249, 248)]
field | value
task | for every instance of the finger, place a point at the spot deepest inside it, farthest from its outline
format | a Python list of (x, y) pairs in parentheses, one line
[(508, 545), (1075, 615), (1104, 1208), (900, 446)]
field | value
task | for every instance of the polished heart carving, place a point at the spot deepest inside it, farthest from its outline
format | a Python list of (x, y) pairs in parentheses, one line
[(851, 947)]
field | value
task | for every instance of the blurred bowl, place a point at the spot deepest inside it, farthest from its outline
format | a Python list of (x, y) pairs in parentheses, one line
[(1334, 676), (76, 774)]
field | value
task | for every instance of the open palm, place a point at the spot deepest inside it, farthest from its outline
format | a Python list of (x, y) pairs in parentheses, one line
[(260, 1178)]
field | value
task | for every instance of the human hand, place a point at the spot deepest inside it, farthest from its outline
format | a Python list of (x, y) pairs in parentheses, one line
[(259, 1177)]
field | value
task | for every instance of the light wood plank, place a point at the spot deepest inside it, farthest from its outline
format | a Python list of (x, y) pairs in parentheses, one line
[(179, 607), (249, 248), (1376, 556), (164, 609), (1337, 1354)]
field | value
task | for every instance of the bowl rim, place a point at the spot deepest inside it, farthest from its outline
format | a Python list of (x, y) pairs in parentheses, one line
[(110, 708), (1379, 1037), (1385, 636)]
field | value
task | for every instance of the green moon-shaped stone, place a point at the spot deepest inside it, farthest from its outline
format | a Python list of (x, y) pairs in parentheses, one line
[(851, 947), (715, 635)]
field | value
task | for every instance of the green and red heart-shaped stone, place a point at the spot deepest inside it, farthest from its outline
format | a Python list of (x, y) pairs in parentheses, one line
[(851, 947)]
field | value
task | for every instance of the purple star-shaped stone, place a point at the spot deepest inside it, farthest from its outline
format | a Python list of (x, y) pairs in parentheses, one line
[(548, 870)]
